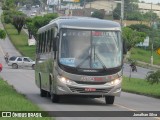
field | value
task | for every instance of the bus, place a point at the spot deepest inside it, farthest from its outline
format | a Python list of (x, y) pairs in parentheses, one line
[(79, 56)]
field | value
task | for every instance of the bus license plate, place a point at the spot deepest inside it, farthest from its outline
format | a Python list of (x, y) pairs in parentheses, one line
[(90, 89)]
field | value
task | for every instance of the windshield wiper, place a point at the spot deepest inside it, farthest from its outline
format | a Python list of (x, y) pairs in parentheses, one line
[(94, 57), (81, 63), (103, 65)]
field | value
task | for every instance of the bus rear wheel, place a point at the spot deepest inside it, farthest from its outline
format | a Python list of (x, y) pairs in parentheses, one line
[(109, 99), (54, 98), (43, 93)]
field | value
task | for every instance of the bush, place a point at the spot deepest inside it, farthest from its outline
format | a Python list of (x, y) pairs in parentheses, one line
[(98, 14), (153, 77), (7, 19), (2, 34)]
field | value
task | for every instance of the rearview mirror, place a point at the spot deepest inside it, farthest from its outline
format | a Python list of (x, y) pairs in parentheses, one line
[(124, 47), (55, 43)]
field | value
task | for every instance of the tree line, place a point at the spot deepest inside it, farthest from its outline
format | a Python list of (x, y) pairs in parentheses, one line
[(131, 34)]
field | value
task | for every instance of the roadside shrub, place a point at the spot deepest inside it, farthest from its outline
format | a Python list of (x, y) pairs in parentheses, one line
[(153, 77), (7, 19), (2, 34)]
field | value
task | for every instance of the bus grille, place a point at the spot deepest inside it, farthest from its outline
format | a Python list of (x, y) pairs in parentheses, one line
[(82, 90), (90, 83)]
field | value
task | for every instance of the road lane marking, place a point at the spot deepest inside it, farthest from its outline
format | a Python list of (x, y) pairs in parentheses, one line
[(125, 107), (130, 109), (157, 118)]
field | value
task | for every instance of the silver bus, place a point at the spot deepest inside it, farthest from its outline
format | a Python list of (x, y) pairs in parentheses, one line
[(79, 56)]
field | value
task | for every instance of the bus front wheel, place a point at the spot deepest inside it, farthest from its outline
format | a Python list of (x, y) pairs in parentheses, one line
[(54, 98), (109, 99)]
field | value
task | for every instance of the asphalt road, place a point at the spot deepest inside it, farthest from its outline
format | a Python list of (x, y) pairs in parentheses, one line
[(24, 82)]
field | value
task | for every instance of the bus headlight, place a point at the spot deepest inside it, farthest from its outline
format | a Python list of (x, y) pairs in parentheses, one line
[(65, 80), (116, 81)]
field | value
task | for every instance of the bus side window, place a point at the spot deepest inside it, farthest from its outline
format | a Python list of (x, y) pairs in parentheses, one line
[(38, 43), (51, 39), (44, 43), (47, 41)]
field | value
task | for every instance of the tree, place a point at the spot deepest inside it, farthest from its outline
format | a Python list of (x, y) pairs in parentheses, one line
[(132, 37), (141, 28), (33, 24), (147, 16), (14, 17), (131, 10), (8, 4), (18, 22), (98, 14), (116, 12), (152, 33)]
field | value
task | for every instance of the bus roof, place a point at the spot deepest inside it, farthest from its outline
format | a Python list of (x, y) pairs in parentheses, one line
[(81, 23)]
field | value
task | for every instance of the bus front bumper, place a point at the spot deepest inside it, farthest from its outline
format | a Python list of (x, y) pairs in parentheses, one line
[(88, 90)]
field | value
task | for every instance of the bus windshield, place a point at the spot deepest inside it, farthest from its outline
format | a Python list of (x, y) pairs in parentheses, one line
[(90, 49)]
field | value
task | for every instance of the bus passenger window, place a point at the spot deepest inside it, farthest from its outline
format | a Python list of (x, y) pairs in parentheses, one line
[(47, 41)]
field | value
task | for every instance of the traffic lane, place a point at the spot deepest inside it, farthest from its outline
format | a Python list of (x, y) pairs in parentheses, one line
[(138, 102), (23, 81), (141, 72), (6, 46)]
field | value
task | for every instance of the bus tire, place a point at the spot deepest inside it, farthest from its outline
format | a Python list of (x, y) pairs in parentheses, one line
[(109, 99), (54, 98), (43, 93)]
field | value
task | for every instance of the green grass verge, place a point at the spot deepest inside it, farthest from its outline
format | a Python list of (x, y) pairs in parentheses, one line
[(145, 56), (20, 41), (140, 86), (10, 100)]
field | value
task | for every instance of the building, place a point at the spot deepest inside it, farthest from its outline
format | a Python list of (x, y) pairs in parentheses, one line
[(107, 5), (145, 7)]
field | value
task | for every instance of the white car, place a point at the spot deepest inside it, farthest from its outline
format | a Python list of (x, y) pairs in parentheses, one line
[(18, 61), (33, 14)]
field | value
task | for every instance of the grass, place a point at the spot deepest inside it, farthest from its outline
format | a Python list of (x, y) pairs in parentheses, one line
[(140, 86), (20, 41), (12, 101), (144, 56)]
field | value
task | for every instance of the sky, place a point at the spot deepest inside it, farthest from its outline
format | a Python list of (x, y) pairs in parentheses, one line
[(153, 1)]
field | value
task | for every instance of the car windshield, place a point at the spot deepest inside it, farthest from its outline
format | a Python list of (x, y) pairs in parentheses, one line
[(30, 59), (90, 49)]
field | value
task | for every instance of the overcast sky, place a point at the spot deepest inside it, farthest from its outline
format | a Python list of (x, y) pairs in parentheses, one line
[(153, 1)]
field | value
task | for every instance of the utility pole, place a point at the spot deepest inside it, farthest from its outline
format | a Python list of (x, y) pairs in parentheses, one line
[(151, 35), (84, 4), (122, 12)]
